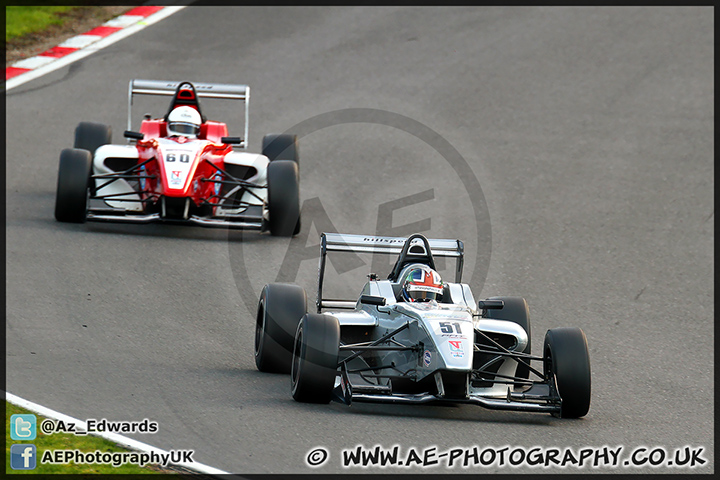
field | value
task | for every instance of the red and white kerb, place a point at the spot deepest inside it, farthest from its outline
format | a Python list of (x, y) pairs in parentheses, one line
[(79, 42)]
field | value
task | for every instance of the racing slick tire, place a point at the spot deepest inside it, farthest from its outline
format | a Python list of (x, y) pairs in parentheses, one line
[(567, 362), (515, 310), (71, 197), (281, 147), (283, 198), (315, 358), (89, 136), (280, 308)]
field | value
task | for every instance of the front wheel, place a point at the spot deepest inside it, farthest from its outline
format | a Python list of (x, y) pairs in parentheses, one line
[(71, 197), (567, 363), (283, 198), (315, 358)]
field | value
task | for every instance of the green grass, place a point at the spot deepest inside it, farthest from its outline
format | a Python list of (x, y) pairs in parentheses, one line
[(21, 21), (66, 441)]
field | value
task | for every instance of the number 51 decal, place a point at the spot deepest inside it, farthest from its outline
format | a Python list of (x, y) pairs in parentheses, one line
[(450, 327)]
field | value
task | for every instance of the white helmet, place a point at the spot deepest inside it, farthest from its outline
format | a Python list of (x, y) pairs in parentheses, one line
[(184, 121)]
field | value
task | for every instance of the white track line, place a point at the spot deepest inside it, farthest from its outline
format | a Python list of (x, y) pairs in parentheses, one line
[(113, 437), (94, 47)]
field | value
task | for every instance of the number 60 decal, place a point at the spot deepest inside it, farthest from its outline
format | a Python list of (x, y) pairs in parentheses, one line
[(184, 157)]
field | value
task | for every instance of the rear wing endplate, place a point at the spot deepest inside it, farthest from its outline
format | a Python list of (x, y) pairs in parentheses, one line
[(203, 90), (343, 242)]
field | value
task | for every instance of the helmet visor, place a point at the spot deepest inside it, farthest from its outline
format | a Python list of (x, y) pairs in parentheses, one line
[(423, 293), (183, 128)]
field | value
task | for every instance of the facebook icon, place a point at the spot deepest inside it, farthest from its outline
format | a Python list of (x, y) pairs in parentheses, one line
[(22, 457)]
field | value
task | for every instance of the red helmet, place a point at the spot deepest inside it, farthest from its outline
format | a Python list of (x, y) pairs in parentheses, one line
[(422, 284)]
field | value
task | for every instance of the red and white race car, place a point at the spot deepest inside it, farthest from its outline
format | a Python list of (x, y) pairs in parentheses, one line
[(181, 168)]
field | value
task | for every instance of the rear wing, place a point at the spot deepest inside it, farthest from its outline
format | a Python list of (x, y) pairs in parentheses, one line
[(203, 90), (343, 242)]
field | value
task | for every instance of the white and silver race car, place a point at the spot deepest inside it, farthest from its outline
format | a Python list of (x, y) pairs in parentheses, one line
[(197, 178), (381, 348)]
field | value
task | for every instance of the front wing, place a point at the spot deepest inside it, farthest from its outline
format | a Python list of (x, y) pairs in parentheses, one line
[(122, 194), (377, 380)]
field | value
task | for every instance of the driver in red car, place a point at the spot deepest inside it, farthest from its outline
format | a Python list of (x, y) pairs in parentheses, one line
[(184, 121)]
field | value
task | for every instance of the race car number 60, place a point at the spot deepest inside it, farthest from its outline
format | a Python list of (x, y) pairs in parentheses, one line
[(184, 157)]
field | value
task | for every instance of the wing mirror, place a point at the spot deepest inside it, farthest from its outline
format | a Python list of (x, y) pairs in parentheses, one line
[(135, 135), (490, 304), (231, 140), (372, 300)]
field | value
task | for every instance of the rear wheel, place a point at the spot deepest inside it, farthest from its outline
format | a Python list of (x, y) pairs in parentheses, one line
[(315, 358), (283, 198), (281, 147), (89, 136), (71, 198), (280, 308), (515, 310), (567, 363)]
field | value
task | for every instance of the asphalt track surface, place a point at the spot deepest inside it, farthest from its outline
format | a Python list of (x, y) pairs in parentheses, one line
[(588, 133)]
